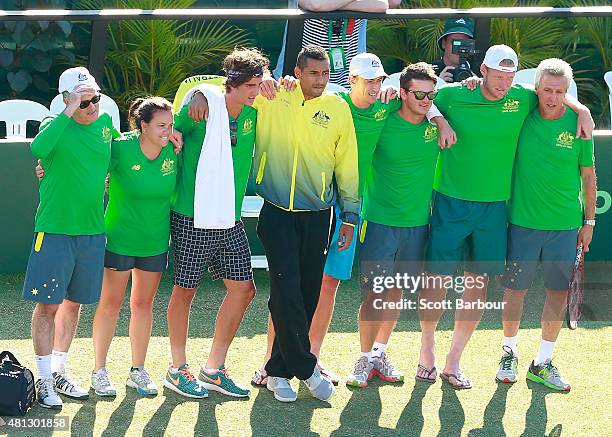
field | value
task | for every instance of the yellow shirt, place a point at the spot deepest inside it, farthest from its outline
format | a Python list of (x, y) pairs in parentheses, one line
[(302, 146)]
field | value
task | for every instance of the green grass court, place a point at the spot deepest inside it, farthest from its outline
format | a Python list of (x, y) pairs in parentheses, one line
[(489, 409)]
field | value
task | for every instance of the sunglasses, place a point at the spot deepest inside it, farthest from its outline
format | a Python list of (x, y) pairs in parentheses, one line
[(420, 95), (233, 125), (85, 103)]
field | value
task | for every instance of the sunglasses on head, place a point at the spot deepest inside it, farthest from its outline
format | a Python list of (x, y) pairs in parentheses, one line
[(85, 103), (233, 125)]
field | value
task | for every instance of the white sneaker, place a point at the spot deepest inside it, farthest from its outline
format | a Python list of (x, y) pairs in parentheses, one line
[(361, 374), (46, 394), (281, 388), (320, 387), (101, 384), (140, 380), (65, 385)]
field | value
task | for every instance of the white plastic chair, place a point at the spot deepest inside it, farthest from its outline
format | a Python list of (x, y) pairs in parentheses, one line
[(16, 113), (107, 104), (394, 81), (335, 88), (527, 77), (608, 79), (251, 206)]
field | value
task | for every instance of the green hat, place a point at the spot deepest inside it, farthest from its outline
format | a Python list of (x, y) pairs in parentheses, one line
[(457, 25)]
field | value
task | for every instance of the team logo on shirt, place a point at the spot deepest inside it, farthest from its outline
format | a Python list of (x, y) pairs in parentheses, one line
[(247, 127), (321, 119), (566, 140), (511, 105), (136, 167), (167, 166), (106, 135), (431, 133), (380, 114)]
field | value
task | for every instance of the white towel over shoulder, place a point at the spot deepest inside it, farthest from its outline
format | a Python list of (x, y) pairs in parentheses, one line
[(214, 200)]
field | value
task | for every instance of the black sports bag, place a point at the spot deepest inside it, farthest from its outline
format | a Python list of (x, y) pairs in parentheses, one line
[(16, 386)]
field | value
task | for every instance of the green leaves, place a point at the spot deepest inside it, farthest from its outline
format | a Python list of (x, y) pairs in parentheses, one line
[(28, 52), (152, 57), (20, 80), (6, 57)]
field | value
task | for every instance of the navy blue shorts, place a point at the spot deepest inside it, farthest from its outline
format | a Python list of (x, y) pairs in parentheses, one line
[(386, 251), (65, 267), (555, 249), (122, 263)]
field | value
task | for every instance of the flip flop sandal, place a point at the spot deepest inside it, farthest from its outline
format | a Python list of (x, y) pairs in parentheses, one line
[(260, 378), (428, 372), (464, 381)]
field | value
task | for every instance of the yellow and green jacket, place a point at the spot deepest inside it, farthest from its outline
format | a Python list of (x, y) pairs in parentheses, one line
[(306, 153)]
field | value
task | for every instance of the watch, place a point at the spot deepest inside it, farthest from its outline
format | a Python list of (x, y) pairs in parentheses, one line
[(590, 222)]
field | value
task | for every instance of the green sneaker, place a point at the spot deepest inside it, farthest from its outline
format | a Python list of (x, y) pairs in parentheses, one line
[(507, 366), (548, 375), (222, 382), (184, 383)]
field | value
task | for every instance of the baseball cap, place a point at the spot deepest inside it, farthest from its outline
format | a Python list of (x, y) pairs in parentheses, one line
[(457, 25), (496, 54), (366, 65), (75, 76)]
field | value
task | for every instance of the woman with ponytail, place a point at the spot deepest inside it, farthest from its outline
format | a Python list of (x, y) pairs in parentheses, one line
[(142, 180)]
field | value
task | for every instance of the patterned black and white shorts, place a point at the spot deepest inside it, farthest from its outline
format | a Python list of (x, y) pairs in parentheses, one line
[(225, 252)]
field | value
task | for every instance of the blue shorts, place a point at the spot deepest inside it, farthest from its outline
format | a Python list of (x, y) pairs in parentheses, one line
[(123, 263), (65, 267), (386, 251), (467, 231), (339, 264), (556, 250)]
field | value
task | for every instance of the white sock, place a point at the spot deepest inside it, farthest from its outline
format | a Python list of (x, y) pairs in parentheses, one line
[(58, 361), (545, 352), (368, 355), (43, 364), (378, 349), (511, 343)]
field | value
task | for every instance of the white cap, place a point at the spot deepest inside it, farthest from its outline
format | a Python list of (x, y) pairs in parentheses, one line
[(496, 54), (73, 77), (366, 65)]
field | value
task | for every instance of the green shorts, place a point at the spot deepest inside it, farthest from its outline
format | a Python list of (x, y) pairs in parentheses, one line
[(473, 233)]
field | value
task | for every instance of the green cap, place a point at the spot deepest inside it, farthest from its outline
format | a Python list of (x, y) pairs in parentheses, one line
[(457, 25)]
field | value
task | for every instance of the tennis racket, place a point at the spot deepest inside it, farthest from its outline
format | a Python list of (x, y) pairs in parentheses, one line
[(575, 297)]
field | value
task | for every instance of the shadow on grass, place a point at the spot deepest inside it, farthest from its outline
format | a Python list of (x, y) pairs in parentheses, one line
[(158, 422), (270, 417), (536, 417), (84, 420), (362, 412), (411, 421), (494, 413), (451, 414), (122, 416)]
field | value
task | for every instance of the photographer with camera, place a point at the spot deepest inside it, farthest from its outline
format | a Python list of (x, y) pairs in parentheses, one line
[(457, 42)]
